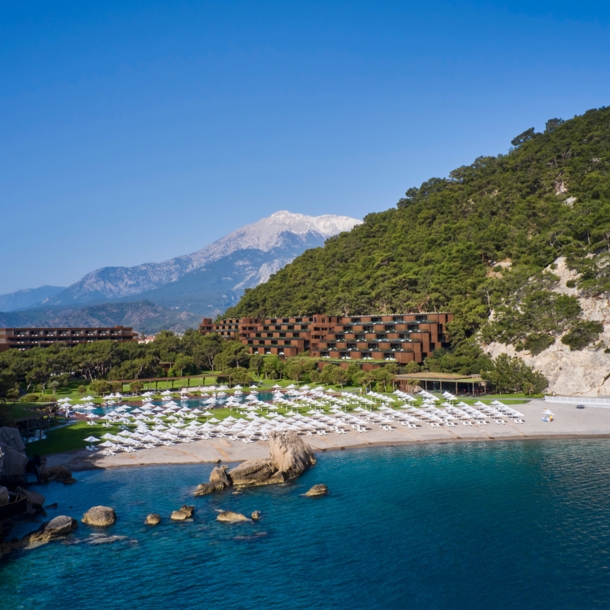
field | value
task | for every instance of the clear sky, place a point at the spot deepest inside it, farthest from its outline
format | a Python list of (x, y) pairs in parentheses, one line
[(137, 131)]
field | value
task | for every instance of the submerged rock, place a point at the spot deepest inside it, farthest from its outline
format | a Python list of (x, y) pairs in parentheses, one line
[(105, 539), (153, 519), (317, 490), (256, 515), (99, 516), (184, 513), (228, 516)]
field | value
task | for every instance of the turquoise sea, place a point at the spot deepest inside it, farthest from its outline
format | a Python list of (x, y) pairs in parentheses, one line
[(443, 526)]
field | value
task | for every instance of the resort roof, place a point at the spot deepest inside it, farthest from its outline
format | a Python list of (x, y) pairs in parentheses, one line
[(440, 377)]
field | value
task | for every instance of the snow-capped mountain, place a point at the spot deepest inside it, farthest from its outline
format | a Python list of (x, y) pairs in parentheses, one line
[(214, 277)]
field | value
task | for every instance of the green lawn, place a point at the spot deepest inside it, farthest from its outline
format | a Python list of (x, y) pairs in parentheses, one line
[(67, 438), (22, 409)]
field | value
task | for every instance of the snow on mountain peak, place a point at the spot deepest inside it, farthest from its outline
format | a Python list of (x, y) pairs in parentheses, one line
[(267, 233)]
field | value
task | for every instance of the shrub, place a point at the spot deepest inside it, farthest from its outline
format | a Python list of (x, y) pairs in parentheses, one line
[(571, 283), (29, 398), (136, 387), (537, 342), (46, 398), (99, 386), (582, 334), (82, 390)]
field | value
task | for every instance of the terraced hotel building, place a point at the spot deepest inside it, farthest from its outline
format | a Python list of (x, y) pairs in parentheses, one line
[(401, 338)]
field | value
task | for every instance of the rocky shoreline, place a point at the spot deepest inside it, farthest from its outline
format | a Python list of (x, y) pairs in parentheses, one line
[(289, 457)]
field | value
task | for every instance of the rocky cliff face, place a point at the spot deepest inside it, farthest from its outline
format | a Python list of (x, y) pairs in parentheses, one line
[(574, 373)]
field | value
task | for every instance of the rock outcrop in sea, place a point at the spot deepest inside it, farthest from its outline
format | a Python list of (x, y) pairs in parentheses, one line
[(185, 512), (99, 516), (289, 457), (56, 528), (228, 516), (153, 519), (317, 490)]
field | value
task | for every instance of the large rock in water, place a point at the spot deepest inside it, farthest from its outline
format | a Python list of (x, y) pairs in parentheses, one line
[(228, 516), (185, 512), (255, 472), (219, 480), (12, 450), (317, 490), (288, 458), (56, 528), (99, 516), (153, 519)]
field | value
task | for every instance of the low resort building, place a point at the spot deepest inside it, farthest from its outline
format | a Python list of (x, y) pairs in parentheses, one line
[(27, 338)]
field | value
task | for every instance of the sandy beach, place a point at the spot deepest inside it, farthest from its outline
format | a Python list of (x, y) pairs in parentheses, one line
[(569, 422)]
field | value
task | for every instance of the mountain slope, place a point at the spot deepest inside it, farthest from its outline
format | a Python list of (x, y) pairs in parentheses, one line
[(282, 230), (226, 278), (477, 244), (143, 316), (23, 299)]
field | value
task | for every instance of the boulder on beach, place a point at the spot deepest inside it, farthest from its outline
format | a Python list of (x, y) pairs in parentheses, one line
[(99, 516), (56, 528), (228, 516), (317, 490), (256, 515), (153, 519), (182, 514), (289, 457)]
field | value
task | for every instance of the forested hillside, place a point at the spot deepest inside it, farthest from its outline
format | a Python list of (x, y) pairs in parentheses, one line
[(474, 243)]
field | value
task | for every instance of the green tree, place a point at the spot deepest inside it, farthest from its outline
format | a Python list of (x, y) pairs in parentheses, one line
[(340, 376)]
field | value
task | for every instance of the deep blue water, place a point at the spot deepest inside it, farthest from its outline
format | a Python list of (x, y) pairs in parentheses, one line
[(472, 526)]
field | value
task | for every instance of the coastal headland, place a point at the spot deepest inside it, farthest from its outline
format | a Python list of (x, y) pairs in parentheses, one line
[(568, 422)]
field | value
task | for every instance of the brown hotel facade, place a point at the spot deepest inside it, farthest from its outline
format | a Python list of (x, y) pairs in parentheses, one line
[(400, 338)]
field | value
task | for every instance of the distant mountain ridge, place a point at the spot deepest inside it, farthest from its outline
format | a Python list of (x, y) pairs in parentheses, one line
[(205, 282), (22, 299), (143, 316)]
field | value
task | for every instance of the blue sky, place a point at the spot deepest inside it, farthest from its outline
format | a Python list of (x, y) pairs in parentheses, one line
[(138, 131)]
